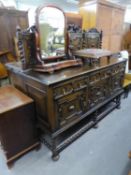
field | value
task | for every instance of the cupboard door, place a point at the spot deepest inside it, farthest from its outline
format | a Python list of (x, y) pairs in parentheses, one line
[(117, 21), (104, 19)]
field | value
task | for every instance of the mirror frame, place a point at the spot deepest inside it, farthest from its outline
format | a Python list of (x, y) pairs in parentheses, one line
[(38, 10)]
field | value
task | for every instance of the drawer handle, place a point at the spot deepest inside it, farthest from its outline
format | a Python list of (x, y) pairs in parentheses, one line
[(72, 107), (98, 93), (116, 83)]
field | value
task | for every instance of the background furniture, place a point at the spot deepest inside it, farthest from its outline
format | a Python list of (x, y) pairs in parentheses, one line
[(73, 18), (17, 123), (5, 57), (126, 42), (9, 20), (107, 17)]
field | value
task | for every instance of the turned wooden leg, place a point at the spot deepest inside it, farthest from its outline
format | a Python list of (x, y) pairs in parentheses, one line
[(118, 102), (55, 153), (0, 82), (129, 154), (10, 164), (38, 147), (95, 120), (129, 173), (55, 156), (126, 91), (96, 126)]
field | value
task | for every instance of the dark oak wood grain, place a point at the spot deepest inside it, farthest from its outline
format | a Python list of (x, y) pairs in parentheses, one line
[(70, 101)]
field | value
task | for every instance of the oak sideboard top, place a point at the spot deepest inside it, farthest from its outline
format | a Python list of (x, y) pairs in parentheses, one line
[(62, 75)]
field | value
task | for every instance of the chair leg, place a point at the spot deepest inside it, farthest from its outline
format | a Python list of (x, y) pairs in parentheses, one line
[(0, 82), (126, 91), (129, 173)]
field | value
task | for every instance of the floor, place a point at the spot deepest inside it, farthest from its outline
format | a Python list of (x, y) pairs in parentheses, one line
[(102, 151)]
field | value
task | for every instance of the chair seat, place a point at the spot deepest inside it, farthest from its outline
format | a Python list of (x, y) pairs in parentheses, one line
[(126, 83), (128, 76)]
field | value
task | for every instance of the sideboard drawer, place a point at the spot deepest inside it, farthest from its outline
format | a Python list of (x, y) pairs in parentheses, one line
[(67, 88), (70, 108), (63, 90), (94, 77)]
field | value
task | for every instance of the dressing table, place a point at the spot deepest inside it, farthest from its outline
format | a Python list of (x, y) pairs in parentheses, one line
[(72, 99)]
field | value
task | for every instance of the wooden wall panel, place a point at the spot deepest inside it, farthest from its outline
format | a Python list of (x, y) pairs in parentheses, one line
[(9, 19)]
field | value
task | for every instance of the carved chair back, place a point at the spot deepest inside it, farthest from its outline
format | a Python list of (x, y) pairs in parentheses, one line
[(79, 39), (92, 38), (75, 38)]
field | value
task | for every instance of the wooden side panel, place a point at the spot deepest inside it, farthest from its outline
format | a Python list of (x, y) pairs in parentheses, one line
[(104, 19), (106, 42), (9, 19), (115, 43), (73, 18), (88, 14), (4, 37), (17, 131), (116, 30), (117, 22)]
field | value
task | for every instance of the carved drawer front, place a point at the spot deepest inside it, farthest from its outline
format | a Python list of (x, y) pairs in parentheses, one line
[(70, 108), (118, 68), (63, 90), (80, 83), (115, 70), (70, 87), (122, 67), (96, 94), (104, 74), (94, 77), (117, 82)]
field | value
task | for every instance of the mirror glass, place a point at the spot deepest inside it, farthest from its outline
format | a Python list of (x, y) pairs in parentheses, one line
[(51, 22)]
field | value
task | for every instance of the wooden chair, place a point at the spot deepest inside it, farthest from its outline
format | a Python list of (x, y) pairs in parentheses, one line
[(129, 155), (5, 56), (92, 38)]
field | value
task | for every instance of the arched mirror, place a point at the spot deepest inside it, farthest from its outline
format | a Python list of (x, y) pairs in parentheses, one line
[(51, 27), (47, 49)]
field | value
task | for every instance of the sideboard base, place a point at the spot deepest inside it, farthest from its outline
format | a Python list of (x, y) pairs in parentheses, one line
[(57, 142)]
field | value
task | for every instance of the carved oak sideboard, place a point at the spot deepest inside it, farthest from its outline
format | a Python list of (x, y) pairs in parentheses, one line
[(70, 101)]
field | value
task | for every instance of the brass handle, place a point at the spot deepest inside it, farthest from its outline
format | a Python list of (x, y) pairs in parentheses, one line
[(116, 83), (72, 107)]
